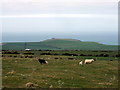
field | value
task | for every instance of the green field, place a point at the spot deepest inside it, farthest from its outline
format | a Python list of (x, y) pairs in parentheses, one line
[(61, 72), (58, 44)]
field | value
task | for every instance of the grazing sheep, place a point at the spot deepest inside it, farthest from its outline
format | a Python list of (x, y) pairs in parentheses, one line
[(42, 61), (88, 61), (29, 85)]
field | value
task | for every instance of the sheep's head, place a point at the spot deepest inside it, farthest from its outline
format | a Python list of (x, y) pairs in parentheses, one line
[(94, 59)]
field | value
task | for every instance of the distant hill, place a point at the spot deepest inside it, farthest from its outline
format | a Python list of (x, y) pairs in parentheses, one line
[(58, 44)]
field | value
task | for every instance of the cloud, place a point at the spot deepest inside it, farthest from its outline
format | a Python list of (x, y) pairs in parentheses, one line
[(8, 1), (58, 16), (58, 6)]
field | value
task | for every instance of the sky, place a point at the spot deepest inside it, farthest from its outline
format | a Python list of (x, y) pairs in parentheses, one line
[(38, 20)]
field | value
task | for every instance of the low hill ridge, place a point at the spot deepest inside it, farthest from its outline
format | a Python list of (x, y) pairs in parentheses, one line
[(59, 44), (53, 39)]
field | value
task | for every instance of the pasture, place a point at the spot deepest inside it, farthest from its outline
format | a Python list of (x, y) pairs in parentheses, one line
[(60, 72)]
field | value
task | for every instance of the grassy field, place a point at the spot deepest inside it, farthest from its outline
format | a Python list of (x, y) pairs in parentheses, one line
[(59, 73)]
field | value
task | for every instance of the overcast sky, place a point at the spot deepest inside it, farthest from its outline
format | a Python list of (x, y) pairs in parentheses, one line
[(37, 20)]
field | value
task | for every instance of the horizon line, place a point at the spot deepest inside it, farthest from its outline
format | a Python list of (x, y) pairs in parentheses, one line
[(56, 38)]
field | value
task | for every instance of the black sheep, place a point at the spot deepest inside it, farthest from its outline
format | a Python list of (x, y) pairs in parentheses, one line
[(42, 61)]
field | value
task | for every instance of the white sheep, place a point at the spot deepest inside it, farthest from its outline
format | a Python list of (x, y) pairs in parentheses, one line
[(89, 61), (81, 63)]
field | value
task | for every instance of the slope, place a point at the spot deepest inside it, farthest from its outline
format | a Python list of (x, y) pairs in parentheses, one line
[(59, 44)]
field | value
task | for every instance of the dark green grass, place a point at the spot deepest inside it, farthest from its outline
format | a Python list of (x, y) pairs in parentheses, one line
[(61, 73), (60, 52)]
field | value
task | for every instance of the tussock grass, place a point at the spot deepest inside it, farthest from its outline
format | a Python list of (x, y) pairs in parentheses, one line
[(60, 73)]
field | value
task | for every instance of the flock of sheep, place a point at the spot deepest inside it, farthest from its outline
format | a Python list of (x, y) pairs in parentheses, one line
[(86, 61)]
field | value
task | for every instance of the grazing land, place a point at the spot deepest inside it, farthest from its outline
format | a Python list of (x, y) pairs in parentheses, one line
[(62, 70)]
